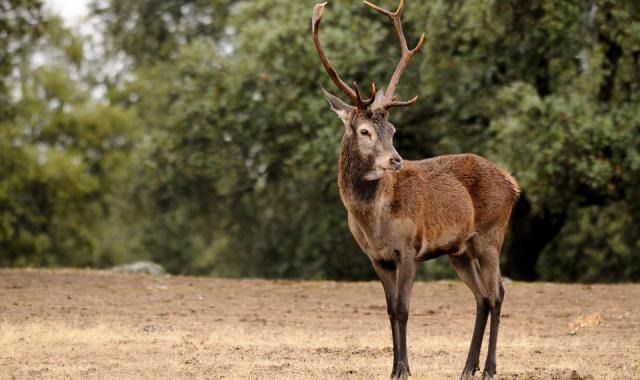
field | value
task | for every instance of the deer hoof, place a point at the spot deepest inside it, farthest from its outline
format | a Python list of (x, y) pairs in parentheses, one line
[(486, 376), (469, 371), (401, 372), (466, 376)]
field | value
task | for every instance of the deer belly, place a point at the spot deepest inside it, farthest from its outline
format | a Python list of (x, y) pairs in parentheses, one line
[(451, 246)]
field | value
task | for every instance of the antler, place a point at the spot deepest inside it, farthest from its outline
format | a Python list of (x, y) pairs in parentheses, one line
[(364, 104), (354, 95), (389, 100)]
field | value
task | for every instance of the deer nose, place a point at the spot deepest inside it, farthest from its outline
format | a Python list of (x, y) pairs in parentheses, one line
[(396, 162)]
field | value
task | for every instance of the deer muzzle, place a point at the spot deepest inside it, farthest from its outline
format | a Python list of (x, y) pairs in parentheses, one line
[(396, 162)]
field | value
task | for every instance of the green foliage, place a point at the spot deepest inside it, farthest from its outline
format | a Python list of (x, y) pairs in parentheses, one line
[(577, 152), (62, 157), (213, 151), (598, 244), (149, 31)]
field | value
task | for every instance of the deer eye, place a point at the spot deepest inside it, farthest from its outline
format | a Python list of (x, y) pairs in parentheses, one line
[(364, 132)]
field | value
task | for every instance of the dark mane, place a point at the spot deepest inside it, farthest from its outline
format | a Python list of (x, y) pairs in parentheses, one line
[(352, 169)]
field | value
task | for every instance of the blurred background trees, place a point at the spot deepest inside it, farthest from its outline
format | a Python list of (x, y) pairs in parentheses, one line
[(194, 132)]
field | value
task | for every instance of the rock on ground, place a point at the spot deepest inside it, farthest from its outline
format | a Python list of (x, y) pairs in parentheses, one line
[(145, 267)]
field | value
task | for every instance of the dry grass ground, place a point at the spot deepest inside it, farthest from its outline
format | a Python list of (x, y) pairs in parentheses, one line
[(90, 324)]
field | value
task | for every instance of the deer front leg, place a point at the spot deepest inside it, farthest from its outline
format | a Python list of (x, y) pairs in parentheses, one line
[(405, 276), (387, 276)]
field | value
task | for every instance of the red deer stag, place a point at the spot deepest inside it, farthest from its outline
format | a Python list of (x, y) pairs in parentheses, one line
[(404, 212)]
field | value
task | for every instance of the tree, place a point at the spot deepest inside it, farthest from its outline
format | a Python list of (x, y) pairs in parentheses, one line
[(61, 153)]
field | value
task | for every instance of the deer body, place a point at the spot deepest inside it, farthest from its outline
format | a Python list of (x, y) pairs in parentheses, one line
[(402, 216), (404, 212), (429, 208)]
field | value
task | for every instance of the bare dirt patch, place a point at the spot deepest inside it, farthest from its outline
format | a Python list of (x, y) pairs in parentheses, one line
[(92, 324)]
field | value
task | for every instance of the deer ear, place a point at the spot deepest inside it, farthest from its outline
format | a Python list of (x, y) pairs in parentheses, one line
[(338, 106)]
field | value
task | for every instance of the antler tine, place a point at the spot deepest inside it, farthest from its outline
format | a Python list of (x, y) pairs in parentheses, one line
[(335, 77), (386, 12), (397, 103), (365, 103), (373, 91), (406, 54)]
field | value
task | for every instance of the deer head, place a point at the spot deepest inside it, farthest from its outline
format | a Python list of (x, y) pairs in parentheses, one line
[(367, 129)]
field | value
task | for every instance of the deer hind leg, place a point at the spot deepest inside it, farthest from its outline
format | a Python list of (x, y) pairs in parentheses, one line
[(490, 364), (485, 255), (468, 270), (488, 257)]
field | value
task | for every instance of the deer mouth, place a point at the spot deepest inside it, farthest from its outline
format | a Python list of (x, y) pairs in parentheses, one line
[(395, 167), (392, 167)]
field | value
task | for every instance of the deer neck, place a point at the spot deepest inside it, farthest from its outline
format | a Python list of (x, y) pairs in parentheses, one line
[(359, 196)]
